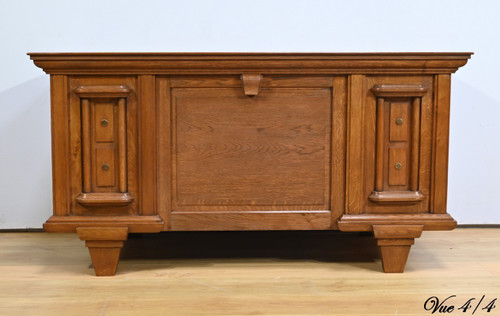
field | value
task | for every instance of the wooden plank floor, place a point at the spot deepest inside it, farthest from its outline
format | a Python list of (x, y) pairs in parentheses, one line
[(257, 273)]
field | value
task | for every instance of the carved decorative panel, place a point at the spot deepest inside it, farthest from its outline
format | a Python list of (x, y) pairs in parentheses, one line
[(104, 145), (397, 143)]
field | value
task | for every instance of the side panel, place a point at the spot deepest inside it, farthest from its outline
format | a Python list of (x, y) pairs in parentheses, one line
[(60, 144), (441, 126)]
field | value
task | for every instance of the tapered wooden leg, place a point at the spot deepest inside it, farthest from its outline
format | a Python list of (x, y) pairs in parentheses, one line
[(394, 243), (105, 244)]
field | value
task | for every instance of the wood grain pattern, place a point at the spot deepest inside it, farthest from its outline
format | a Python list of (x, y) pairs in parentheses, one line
[(164, 149), (251, 220), (250, 141), (355, 146), (339, 140), (267, 152)]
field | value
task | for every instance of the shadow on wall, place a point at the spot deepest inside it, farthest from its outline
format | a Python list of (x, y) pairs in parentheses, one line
[(25, 157), (474, 153)]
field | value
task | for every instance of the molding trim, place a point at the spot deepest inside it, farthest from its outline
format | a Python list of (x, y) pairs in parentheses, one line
[(364, 222), (237, 63), (135, 224)]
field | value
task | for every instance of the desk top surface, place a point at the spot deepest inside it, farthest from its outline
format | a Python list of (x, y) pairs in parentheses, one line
[(229, 62)]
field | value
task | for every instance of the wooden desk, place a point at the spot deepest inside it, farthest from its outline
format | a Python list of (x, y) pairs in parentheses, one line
[(150, 142)]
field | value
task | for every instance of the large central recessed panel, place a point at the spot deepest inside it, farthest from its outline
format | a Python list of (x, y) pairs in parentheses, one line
[(266, 152)]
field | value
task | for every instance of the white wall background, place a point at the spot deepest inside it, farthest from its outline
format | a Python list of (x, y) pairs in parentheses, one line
[(250, 25)]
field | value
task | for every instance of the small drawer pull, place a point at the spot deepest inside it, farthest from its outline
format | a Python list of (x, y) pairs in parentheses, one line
[(104, 122), (398, 165), (399, 121), (105, 167)]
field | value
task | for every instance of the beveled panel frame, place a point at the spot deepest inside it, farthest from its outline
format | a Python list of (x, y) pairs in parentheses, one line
[(189, 216), (386, 94), (91, 97), (85, 94)]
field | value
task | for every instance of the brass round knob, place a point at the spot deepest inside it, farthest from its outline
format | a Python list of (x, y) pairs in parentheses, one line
[(398, 165), (399, 120), (104, 122), (105, 167)]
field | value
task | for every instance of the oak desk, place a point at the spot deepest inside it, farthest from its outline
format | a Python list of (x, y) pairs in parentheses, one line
[(150, 142)]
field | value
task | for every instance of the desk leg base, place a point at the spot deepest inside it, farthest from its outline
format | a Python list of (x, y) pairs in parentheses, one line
[(104, 244), (394, 243)]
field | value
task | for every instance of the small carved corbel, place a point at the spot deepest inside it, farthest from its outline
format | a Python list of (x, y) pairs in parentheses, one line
[(251, 83)]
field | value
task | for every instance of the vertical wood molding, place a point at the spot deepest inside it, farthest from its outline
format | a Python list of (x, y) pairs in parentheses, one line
[(147, 143), (415, 143), (86, 152), (163, 99), (354, 172), (122, 145), (338, 175), (60, 144), (379, 160), (439, 187)]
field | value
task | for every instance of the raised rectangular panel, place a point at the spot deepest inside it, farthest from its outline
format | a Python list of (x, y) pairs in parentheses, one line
[(397, 153), (105, 166), (398, 122), (104, 145), (269, 151), (398, 167), (104, 122)]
